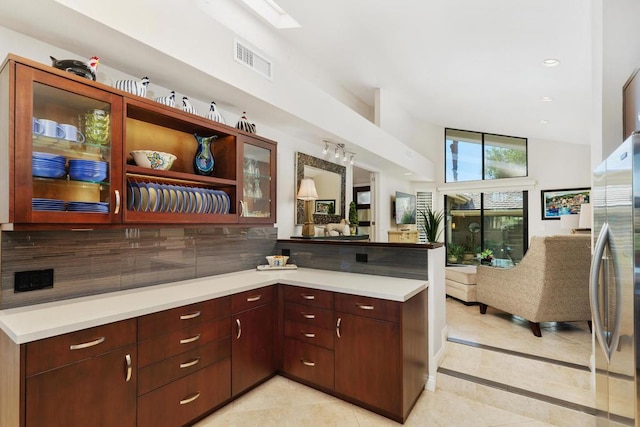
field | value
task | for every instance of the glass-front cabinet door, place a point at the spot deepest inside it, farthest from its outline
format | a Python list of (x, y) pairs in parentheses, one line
[(68, 150), (257, 195)]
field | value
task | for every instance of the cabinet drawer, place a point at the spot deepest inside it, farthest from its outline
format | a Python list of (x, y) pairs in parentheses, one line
[(176, 342), (183, 400), (311, 334), (254, 298), (181, 365), (309, 362), (369, 307), (308, 315), (155, 324), (308, 296), (61, 350)]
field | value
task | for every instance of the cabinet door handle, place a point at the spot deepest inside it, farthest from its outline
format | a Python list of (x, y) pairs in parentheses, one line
[(127, 359), (117, 209), (190, 316), (308, 315), (307, 363), (189, 340), (190, 363), (309, 297), (239, 333), (254, 298), (338, 327), (87, 344), (364, 306), (190, 398), (308, 334)]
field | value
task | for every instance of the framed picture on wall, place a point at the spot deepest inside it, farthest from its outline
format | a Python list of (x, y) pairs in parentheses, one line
[(556, 203), (326, 206)]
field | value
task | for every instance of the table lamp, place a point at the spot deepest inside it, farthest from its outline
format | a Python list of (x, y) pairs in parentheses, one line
[(585, 216), (569, 222), (308, 193)]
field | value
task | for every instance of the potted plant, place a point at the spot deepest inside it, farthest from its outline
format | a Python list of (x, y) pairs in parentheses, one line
[(431, 225), (454, 252), (353, 218), (486, 257)]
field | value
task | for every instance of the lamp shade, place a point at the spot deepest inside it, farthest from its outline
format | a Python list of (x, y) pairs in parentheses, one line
[(307, 190), (569, 222), (585, 216)]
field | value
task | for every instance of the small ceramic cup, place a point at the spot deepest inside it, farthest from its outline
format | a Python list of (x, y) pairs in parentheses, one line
[(71, 133)]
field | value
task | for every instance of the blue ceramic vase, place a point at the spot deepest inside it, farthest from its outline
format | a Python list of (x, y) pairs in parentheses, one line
[(203, 161)]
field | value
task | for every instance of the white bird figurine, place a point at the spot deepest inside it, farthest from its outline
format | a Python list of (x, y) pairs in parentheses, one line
[(169, 100), (136, 87), (80, 68), (186, 106), (245, 125), (214, 114)]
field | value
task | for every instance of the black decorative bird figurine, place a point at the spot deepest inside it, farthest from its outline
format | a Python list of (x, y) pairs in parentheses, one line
[(79, 68)]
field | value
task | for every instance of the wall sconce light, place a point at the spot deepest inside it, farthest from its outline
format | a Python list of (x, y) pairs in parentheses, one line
[(308, 193), (338, 151)]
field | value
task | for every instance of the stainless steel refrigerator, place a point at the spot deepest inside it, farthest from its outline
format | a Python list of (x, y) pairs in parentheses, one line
[(615, 285)]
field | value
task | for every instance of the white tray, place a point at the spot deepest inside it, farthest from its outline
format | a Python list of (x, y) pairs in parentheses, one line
[(283, 267)]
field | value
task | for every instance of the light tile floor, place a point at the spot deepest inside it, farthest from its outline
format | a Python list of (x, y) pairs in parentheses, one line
[(281, 402)]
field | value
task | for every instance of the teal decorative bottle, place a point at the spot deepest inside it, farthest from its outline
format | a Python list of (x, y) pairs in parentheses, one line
[(203, 161)]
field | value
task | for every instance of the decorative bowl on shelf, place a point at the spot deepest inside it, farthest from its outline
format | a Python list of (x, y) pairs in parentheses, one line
[(153, 159), (277, 260)]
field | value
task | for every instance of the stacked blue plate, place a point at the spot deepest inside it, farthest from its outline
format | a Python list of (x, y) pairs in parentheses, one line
[(38, 204), (100, 207), (47, 165), (87, 170)]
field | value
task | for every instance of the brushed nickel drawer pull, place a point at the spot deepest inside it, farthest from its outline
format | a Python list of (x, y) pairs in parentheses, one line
[(338, 327), (307, 363), (308, 315), (308, 334), (87, 344), (309, 297), (239, 333), (127, 359), (364, 306), (190, 398), (254, 299), (190, 316), (190, 363), (190, 340)]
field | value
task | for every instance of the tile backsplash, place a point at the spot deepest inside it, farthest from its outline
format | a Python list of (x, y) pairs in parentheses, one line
[(99, 261)]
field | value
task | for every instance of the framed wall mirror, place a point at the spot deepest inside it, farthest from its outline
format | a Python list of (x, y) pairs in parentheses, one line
[(330, 180)]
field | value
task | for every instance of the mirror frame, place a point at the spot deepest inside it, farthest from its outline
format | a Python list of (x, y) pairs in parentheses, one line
[(303, 160)]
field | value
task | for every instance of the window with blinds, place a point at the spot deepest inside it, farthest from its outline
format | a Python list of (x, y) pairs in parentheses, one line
[(424, 200)]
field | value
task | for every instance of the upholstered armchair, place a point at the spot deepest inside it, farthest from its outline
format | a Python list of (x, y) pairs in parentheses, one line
[(550, 284)]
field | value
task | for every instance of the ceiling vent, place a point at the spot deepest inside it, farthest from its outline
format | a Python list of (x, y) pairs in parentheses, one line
[(253, 60)]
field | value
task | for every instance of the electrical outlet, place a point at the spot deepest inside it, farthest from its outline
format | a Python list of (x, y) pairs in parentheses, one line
[(362, 258), (32, 280)]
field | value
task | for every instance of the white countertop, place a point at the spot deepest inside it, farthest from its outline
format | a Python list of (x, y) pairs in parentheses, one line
[(34, 322)]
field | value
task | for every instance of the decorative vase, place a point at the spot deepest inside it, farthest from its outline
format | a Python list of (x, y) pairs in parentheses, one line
[(203, 161), (353, 229)]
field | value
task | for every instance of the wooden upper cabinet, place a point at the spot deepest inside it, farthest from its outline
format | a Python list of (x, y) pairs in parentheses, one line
[(66, 158), (58, 176), (257, 186)]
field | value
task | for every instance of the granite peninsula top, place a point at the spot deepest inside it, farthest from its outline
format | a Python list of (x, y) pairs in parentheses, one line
[(34, 322)]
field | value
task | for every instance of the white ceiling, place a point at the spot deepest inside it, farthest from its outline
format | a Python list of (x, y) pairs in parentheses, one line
[(466, 64)]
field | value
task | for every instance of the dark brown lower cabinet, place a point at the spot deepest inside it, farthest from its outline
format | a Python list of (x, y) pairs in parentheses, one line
[(310, 363), (99, 391), (187, 398), (252, 347)]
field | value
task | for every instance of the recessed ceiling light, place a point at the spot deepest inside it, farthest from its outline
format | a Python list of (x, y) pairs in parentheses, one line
[(408, 173), (551, 62), (546, 99), (544, 122), (272, 13)]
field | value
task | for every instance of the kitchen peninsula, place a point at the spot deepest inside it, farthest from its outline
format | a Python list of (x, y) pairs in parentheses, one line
[(364, 314)]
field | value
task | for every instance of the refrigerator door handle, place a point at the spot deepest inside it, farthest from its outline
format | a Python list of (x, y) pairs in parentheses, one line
[(596, 264)]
